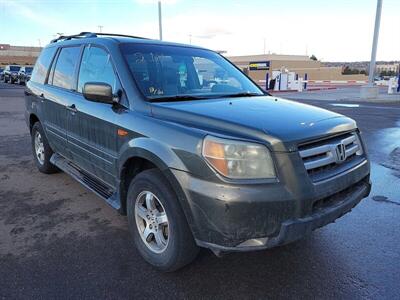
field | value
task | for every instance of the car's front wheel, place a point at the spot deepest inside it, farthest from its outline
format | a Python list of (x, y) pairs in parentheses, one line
[(41, 150), (157, 223)]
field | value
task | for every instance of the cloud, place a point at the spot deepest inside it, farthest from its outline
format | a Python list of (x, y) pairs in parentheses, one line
[(23, 10), (213, 31)]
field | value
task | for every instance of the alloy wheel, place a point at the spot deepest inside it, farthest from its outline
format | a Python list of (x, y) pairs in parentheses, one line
[(39, 147), (152, 221)]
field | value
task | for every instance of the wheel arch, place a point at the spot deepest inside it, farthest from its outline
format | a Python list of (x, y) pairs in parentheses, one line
[(33, 118), (139, 159)]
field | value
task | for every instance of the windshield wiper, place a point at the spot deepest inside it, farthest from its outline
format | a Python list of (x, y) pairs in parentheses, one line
[(244, 94), (178, 98)]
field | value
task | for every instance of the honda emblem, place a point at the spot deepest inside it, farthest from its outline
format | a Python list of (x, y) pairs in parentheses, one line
[(340, 153)]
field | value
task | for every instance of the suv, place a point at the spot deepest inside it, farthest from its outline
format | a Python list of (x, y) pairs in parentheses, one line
[(11, 73), (189, 148), (24, 75)]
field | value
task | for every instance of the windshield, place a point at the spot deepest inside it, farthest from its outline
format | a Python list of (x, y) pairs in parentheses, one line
[(28, 69), (14, 68), (182, 72)]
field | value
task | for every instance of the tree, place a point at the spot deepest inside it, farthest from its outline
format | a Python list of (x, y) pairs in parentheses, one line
[(313, 57), (389, 73), (348, 71)]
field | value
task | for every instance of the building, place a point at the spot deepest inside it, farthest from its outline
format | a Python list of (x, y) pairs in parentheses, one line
[(257, 66), (387, 68), (19, 55)]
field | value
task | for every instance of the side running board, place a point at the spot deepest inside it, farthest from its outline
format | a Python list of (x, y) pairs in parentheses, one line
[(104, 191)]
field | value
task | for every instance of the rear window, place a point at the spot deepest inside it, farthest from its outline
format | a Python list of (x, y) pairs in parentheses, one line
[(65, 67), (42, 65)]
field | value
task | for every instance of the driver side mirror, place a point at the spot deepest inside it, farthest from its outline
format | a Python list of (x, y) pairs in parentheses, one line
[(98, 92)]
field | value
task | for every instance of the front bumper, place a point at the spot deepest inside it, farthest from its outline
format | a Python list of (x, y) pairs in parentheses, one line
[(293, 230), (224, 216)]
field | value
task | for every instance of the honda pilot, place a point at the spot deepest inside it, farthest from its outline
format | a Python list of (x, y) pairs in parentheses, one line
[(189, 148)]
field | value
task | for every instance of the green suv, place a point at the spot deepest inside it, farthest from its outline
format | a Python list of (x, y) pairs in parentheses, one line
[(189, 148)]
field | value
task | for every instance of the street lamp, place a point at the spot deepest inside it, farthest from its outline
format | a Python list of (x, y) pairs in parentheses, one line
[(370, 90), (159, 20)]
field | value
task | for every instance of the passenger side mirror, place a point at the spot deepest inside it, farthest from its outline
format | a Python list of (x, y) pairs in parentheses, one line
[(98, 92)]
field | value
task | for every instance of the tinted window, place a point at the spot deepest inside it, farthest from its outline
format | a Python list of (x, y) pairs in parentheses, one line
[(168, 71), (14, 68), (42, 65), (96, 67), (65, 67)]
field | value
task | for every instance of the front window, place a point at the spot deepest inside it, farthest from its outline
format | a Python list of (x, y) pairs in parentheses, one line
[(172, 71), (96, 66)]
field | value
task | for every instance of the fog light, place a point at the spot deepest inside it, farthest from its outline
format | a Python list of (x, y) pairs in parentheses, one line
[(254, 243)]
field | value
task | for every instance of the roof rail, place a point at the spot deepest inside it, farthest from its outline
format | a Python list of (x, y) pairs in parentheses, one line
[(122, 35), (90, 35), (75, 36)]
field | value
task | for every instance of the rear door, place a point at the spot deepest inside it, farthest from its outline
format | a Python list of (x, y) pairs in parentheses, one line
[(92, 133), (59, 94)]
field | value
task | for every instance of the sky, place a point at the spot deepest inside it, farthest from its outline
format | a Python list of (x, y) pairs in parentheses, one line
[(339, 30)]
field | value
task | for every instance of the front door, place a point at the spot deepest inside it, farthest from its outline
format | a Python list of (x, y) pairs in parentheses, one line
[(92, 133)]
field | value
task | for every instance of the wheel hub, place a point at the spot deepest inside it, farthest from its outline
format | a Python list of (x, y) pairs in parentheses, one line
[(152, 221), (39, 147)]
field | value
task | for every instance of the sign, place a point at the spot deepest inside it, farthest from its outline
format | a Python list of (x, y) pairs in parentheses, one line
[(259, 65)]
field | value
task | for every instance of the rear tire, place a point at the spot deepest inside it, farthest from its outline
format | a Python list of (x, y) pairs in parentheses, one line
[(41, 150), (176, 247)]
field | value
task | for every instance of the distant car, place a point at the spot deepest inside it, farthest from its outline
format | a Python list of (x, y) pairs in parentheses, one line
[(1, 74), (24, 75), (11, 73)]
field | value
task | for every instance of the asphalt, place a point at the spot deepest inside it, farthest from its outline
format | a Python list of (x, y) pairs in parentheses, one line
[(60, 241)]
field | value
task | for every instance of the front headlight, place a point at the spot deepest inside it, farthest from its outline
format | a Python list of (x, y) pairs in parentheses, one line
[(238, 160)]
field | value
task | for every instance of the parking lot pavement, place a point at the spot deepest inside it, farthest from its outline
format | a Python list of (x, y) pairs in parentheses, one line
[(341, 93), (57, 240)]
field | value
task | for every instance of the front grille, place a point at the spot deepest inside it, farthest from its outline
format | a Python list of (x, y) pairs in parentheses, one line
[(328, 157)]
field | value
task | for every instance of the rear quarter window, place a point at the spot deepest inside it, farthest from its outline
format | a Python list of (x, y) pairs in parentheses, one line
[(41, 68)]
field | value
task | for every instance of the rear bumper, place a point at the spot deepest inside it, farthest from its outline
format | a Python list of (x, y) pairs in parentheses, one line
[(295, 229)]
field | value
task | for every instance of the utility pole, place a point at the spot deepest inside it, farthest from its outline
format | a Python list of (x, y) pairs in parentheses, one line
[(375, 43), (100, 28), (159, 20), (370, 90)]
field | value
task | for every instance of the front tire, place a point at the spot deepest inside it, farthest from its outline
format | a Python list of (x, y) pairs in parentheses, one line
[(157, 223), (41, 150)]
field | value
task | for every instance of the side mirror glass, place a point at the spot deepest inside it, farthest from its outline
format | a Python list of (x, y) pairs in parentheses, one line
[(98, 92)]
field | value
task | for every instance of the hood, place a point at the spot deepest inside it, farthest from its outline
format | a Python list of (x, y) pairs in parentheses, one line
[(282, 123)]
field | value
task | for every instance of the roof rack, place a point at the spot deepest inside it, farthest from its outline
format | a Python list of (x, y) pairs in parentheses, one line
[(90, 35)]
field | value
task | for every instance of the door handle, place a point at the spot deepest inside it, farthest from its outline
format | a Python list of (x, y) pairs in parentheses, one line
[(72, 108)]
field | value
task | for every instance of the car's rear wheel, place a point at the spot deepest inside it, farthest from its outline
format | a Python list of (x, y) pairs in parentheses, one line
[(41, 150), (157, 223)]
